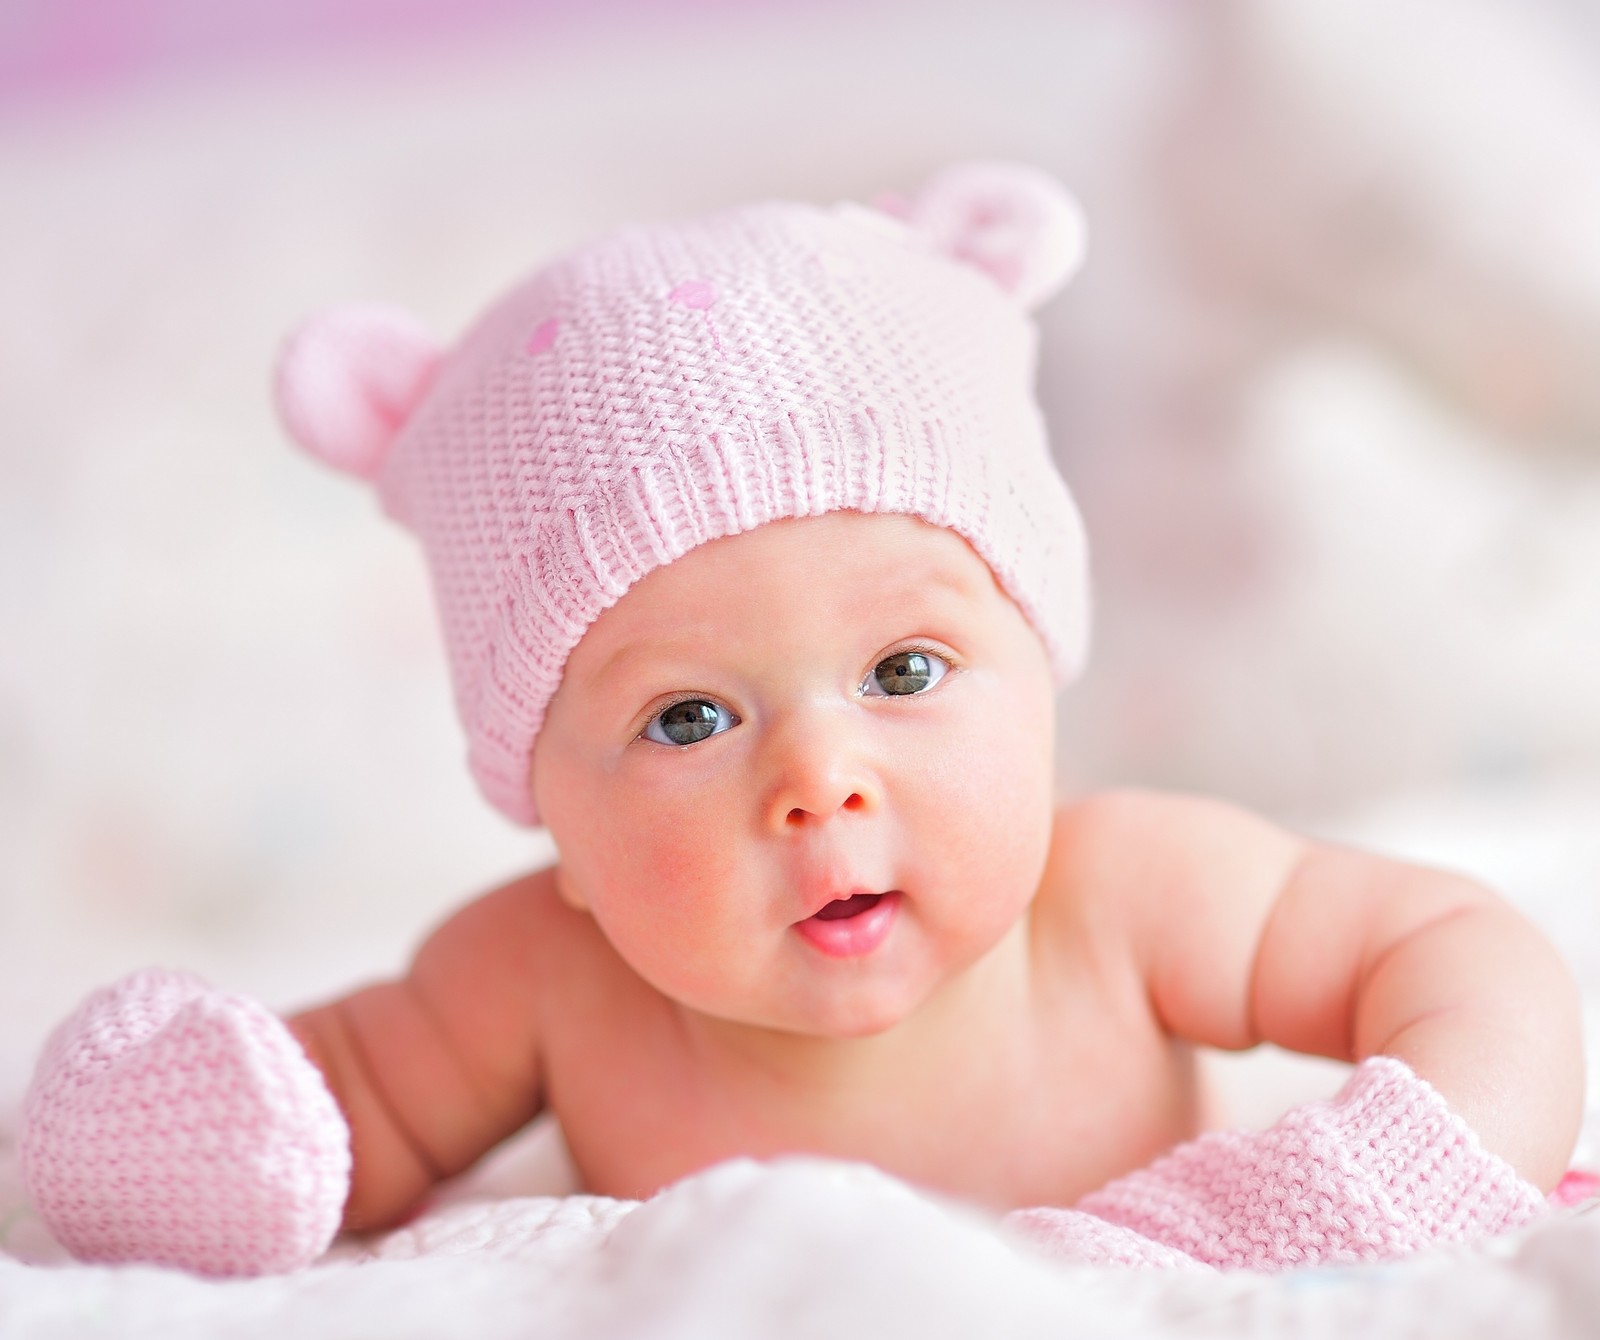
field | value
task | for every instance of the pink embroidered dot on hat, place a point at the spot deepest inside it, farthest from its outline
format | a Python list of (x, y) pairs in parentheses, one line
[(672, 384)]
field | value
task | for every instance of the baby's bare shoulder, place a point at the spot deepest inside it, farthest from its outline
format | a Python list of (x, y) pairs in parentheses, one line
[(1085, 905), (520, 932), (1177, 890), (1123, 863), (1106, 844), (1113, 842)]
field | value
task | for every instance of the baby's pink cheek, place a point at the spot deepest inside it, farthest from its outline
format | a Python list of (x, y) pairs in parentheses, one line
[(679, 864), (679, 907)]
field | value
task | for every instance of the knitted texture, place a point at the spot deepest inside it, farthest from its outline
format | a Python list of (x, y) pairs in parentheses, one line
[(174, 1124), (1380, 1170), (1084, 1239), (673, 384)]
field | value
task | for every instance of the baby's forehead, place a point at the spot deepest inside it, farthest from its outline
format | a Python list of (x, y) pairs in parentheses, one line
[(856, 554), (838, 571)]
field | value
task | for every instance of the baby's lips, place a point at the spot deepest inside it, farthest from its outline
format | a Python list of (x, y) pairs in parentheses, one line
[(857, 931)]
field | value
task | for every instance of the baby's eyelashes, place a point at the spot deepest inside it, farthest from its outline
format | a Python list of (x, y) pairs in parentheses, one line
[(688, 722)]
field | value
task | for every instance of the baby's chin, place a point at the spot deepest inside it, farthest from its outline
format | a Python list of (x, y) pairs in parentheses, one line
[(843, 1014), (850, 1022)]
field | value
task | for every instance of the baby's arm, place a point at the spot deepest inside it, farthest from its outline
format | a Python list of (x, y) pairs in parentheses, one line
[(1245, 933), (173, 1123), (434, 1069)]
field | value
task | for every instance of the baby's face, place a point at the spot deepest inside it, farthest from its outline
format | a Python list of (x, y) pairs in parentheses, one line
[(802, 777)]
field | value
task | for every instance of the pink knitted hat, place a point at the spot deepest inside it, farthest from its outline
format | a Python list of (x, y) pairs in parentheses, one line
[(672, 384)]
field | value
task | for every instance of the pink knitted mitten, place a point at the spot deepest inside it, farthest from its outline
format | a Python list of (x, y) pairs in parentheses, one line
[(171, 1123), (1378, 1171)]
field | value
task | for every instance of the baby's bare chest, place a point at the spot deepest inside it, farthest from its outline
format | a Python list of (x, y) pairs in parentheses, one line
[(1004, 1127)]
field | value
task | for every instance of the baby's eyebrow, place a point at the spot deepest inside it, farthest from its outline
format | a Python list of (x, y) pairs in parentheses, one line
[(954, 580), (914, 588), (623, 658)]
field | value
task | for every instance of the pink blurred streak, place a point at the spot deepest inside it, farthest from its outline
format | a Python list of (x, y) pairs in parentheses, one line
[(67, 50)]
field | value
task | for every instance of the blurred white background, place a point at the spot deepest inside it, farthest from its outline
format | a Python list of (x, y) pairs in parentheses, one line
[(1328, 392)]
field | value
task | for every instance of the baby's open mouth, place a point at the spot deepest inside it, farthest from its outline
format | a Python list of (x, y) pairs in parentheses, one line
[(853, 906), (853, 926)]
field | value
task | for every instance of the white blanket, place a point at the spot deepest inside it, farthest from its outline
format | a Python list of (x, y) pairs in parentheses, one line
[(798, 1248)]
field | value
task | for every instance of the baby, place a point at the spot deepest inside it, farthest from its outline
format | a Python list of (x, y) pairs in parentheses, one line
[(758, 583)]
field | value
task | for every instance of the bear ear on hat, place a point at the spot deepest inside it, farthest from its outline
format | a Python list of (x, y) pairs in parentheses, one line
[(349, 377), (1017, 224)]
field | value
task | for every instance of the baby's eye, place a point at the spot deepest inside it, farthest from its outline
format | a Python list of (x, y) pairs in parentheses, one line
[(905, 672), (689, 722)]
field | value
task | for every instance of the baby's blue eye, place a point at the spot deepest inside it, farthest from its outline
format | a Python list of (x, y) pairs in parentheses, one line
[(689, 722), (905, 672)]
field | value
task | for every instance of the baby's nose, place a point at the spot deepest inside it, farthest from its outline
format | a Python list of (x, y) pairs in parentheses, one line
[(819, 768)]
